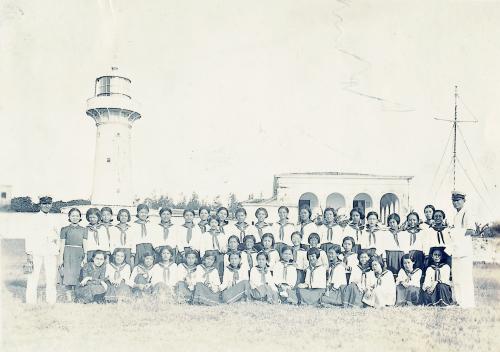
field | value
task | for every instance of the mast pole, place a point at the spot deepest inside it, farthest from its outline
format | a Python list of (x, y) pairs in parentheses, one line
[(455, 139)]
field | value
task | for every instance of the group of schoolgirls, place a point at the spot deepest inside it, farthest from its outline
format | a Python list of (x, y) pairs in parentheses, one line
[(323, 262)]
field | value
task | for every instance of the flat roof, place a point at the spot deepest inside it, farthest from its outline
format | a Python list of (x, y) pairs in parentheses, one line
[(347, 174)]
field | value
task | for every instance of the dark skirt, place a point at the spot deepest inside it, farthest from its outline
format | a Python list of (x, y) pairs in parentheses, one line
[(441, 296), (141, 280), (407, 295), (184, 294), (333, 297), (265, 293), (394, 261), (310, 296), (72, 265), (236, 293), (203, 295), (288, 295), (140, 249), (301, 276), (128, 256), (418, 259), (352, 296), (91, 292), (122, 292)]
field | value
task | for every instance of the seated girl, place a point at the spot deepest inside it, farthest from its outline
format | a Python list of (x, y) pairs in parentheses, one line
[(437, 287), (311, 291), (207, 281), (408, 283), (268, 248), (285, 276), (235, 286), (186, 277), (117, 276), (140, 279), (262, 283), (164, 275), (336, 280), (233, 243), (381, 289), (353, 292), (348, 257), (93, 286), (314, 242)]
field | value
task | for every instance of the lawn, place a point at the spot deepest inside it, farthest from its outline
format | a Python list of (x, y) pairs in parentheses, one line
[(147, 325)]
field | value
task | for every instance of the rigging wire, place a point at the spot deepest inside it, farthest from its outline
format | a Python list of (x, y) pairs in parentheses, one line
[(474, 186), (442, 158), (469, 110), (444, 178)]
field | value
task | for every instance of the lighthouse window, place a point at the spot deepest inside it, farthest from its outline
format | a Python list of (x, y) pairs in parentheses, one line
[(108, 160), (104, 86), (4, 195), (118, 134)]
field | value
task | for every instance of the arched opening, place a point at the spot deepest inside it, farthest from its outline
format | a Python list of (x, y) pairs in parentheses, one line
[(309, 199), (335, 201), (363, 201), (389, 203)]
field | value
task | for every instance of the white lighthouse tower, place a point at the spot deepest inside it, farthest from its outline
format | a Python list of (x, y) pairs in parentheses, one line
[(114, 112)]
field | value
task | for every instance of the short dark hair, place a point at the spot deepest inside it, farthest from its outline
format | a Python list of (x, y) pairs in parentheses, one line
[(262, 253), (349, 238), (372, 213), (261, 209), (395, 217), (413, 213), (306, 207), (108, 209), (240, 210), (315, 235), (187, 211), (75, 210), (93, 211), (123, 211), (359, 211), (141, 207), (270, 235), (165, 209), (313, 251)]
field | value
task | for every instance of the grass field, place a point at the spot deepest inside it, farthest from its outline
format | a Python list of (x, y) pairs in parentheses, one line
[(146, 326)]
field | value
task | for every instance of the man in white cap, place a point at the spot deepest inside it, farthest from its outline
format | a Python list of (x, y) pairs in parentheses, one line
[(42, 248), (462, 232)]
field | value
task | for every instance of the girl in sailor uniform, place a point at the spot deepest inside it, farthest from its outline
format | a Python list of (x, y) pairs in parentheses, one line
[(313, 240), (283, 229), (241, 228), (348, 257), (107, 227), (306, 226), (408, 283), (381, 288), (268, 248), (336, 281), (207, 281), (249, 253), (355, 227), (262, 283), (71, 255), (299, 256), (117, 277), (412, 239), (204, 214), (121, 237), (164, 276), (186, 277), (437, 286), (236, 285), (215, 241), (260, 227), (393, 250), (233, 243), (188, 235), (97, 239), (285, 276), (312, 289), (374, 237), (142, 233), (93, 286), (330, 232), (353, 293), (429, 215), (437, 236), (140, 279), (224, 226), (165, 234)]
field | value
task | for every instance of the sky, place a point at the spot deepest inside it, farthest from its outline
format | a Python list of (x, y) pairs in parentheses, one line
[(234, 92)]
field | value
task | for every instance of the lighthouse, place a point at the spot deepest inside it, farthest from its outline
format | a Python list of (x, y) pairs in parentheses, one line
[(114, 112)]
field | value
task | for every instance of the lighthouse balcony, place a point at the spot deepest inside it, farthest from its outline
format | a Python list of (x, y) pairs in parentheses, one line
[(112, 101)]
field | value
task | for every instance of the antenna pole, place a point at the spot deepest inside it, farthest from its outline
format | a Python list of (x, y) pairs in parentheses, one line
[(455, 139)]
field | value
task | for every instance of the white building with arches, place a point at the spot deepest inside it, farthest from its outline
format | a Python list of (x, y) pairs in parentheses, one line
[(320, 190)]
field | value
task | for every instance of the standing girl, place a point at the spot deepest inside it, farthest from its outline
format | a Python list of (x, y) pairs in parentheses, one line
[(355, 227), (185, 273), (207, 282), (348, 257), (283, 229), (262, 283), (372, 238), (353, 292), (142, 233), (120, 237), (299, 256), (429, 214), (215, 241), (331, 233), (165, 235), (249, 252), (72, 251), (188, 235), (268, 248), (204, 214), (381, 289), (306, 226), (437, 236), (261, 226), (235, 286), (117, 277), (408, 283), (412, 239), (164, 275), (285, 277), (222, 215), (97, 240), (106, 225), (437, 286), (92, 286), (336, 281), (393, 250), (140, 279), (311, 291), (241, 228)]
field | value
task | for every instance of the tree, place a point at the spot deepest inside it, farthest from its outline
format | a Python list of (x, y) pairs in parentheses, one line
[(23, 204), (233, 203), (194, 202)]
